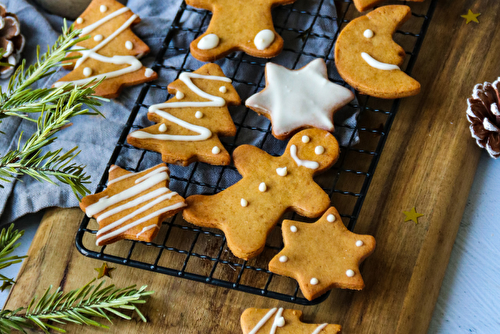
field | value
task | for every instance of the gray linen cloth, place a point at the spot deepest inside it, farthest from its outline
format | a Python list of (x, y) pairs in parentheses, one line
[(96, 136)]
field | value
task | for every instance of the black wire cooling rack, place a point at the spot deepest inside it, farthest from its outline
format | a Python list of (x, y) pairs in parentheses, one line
[(187, 251)]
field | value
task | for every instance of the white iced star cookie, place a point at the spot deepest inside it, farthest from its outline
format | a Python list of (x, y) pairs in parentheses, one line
[(297, 99)]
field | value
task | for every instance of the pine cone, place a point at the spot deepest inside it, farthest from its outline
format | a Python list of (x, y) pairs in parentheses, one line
[(11, 41), (484, 115)]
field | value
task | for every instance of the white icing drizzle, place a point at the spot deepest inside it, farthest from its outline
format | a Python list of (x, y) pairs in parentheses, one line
[(123, 177), (263, 39), (349, 273), (330, 218), (244, 203), (293, 228), (359, 243), (208, 42), (98, 38), (262, 187), (103, 9), (282, 171), (203, 133), (91, 27), (223, 89), (319, 150), (275, 322), (145, 229), (148, 73), (87, 71), (162, 128), (215, 150), (319, 328), (377, 64), (79, 20), (113, 167), (263, 321), (179, 95), (306, 163), (314, 281), (283, 258), (280, 322), (305, 139), (129, 45), (154, 172), (198, 114), (368, 33)]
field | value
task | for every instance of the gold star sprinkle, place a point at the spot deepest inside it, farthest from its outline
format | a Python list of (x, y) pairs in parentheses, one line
[(105, 270), (412, 215), (471, 17)]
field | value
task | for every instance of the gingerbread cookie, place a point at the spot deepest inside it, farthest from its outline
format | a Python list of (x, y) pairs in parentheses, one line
[(322, 255), (369, 60), (264, 321), (292, 105), (189, 123), (238, 25), (133, 206), (248, 210), (364, 5), (111, 51)]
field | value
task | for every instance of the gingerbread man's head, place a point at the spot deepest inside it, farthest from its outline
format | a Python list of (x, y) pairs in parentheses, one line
[(314, 149)]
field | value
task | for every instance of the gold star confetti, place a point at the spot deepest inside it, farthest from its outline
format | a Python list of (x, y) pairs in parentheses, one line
[(105, 270), (412, 215), (471, 17)]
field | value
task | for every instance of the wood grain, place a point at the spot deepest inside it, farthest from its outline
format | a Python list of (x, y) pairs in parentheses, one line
[(429, 162)]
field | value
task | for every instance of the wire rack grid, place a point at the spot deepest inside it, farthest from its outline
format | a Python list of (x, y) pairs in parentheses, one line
[(187, 251)]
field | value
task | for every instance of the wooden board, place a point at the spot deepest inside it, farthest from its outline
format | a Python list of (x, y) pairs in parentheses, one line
[(429, 162)]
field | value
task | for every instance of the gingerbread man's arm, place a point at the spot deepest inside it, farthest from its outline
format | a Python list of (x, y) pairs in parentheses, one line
[(311, 200), (248, 158)]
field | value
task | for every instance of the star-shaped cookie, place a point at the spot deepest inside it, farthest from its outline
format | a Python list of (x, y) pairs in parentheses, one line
[(134, 205), (256, 321), (238, 25), (364, 5), (322, 255), (298, 99)]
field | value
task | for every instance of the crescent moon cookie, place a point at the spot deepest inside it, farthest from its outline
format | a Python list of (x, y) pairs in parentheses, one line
[(364, 5), (112, 52), (367, 57), (298, 99), (133, 206), (265, 321), (322, 255), (238, 26), (248, 210), (190, 122)]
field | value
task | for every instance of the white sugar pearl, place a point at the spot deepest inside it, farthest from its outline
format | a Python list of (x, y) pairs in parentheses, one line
[(314, 281), (223, 89), (368, 33), (262, 187), (215, 150), (359, 243), (243, 202), (280, 322), (305, 139), (198, 114), (319, 150), (330, 218), (282, 171), (283, 258), (349, 273), (148, 73), (162, 128), (293, 228), (103, 8), (79, 20), (87, 71), (179, 95), (129, 45), (98, 38)]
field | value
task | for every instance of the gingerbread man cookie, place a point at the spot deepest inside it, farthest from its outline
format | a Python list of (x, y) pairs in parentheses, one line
[(322, 255), (238, 25), (248, 210), (133, 206), (190, 122), (369, 60), (364, 5), (111, 52), (265, 321), (292, 105)]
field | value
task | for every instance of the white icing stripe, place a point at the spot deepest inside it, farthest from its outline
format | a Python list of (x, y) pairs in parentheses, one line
[(145, 229), (123, 177), (377, 64), (91, 27), (263, 321), (319, 328), (140, 221), (104, 203), (203, 133), (156, 171), (275, 325), (113, 168), (306, 163)]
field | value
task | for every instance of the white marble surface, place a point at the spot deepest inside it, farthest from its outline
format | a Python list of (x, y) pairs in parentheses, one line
[(469, 300)]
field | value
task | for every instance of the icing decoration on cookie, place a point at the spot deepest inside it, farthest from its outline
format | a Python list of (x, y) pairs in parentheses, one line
[(305, 163), (319, 150), (368, 33), (244, 202), (87, 71), (215, 150), (262, 187), (107, 60), (237, 26), (359, 243), (330, 218), (338, 265), (79, 20), (222, 89), (283, 258), (281, 171), (246, 230), (293, 228), (372, 65), (263, 39), (162, 128), (148, 73), (267, 321), (291, 105), (305, 139), (191, 136), (129, 45), (132, 205), (208, 42)]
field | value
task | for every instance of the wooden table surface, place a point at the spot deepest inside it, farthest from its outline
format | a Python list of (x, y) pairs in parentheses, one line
[(429, 162)]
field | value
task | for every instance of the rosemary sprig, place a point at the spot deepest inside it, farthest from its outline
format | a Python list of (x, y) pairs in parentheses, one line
[(8, 239), (76, 306)]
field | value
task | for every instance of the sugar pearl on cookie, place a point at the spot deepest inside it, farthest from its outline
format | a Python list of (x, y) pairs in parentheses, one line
[(179, 95), (349, 273), (87, 71), (368, 33), (215, 150), (330, 218), (293, 228), (129, 45), (283, 258), (103, 9), (314, 281), (319, 150), (282, 171), (262, 187), (243, 202), (79, 20), (98, 38), (223, 89), (359, 243), (305, 139), (162, 128), (198, 114)]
